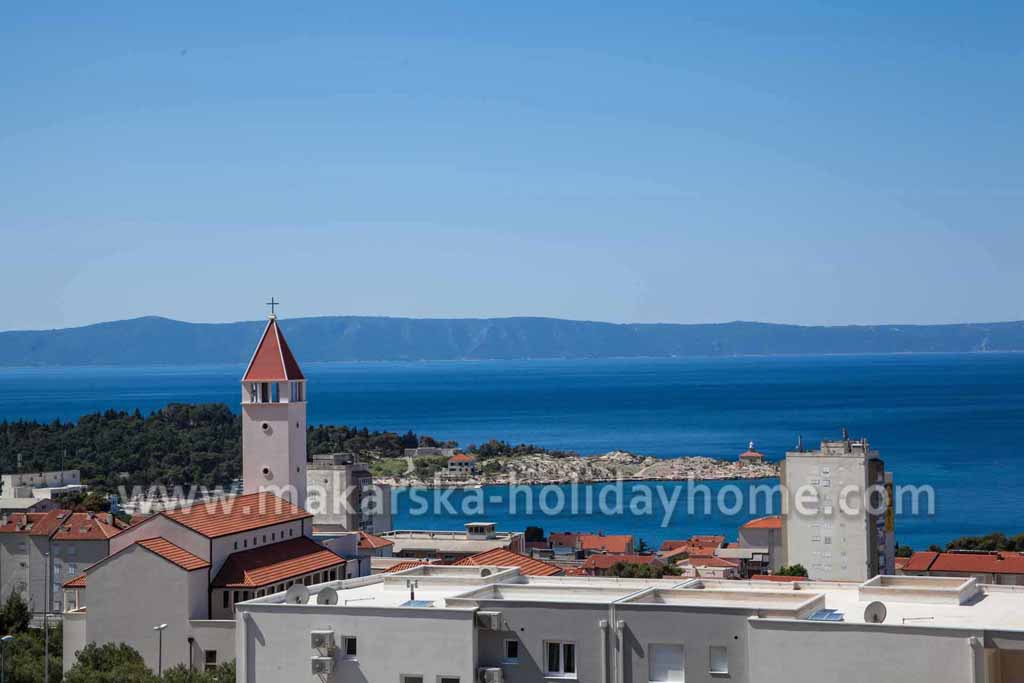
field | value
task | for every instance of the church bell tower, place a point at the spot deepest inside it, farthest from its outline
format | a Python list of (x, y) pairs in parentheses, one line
[(274, 419)]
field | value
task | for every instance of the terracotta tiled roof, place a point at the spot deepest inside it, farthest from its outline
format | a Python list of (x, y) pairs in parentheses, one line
[(563, 539), (235, 515), (608, 561), (23, 522), (172, 553), (575, 571), (81, 526), (275, 562), (273, 360), (371, 542), (901, 562), (968, 563), (777, 578), (770, 522), (402, 566), (500, 557), (609, 544), (920, 562), (689, 550), (77, 582), (461, 457)]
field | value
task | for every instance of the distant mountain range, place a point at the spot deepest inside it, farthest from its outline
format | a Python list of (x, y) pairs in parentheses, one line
[(153, 340)]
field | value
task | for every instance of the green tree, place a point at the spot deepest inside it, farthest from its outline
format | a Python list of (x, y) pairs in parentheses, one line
[(635, 570), (904, 551), (792, 570), (223, 673), (109, 663), (533, 534), (23, 656), (15, 615)]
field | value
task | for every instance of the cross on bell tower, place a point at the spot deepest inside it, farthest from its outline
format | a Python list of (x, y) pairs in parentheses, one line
[(273, 305)]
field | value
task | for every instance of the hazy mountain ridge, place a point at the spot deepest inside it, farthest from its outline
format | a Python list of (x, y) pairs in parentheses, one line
[(154, 340)]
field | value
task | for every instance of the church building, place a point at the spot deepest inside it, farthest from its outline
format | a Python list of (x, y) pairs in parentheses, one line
[(170, 583)]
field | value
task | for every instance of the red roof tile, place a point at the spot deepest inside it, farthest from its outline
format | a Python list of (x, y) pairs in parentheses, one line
[(402, 566), (978, 563), (24, 522), (273, 360), (500, 557), (83, 526), (461, 457), (275, 562), (770, 522), (234, 515), (172, 553), (920, 562), (608, 561), (371, 542), (689, 550), (609, 544), (77, 582)]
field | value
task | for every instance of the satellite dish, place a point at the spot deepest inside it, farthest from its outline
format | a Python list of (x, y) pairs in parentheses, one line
[(297, 595), (874, 613), (327, 596), (485, 572)]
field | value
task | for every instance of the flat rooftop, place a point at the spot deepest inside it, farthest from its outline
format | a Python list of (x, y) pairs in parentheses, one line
[(948, 603)]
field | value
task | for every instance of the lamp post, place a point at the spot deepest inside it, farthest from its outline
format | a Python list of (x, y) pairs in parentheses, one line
[(3, 668), (160, 652)]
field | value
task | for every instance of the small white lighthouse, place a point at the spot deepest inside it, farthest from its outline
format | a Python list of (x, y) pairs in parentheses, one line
[(274, 419)]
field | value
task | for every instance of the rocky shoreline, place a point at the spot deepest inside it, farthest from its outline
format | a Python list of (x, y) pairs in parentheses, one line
[(540, 469)]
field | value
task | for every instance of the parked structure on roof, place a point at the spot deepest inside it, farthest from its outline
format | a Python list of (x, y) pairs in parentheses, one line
[(472, 623)]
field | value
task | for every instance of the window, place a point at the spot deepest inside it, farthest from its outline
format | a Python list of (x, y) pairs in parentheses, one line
[(245, 543), (227, 599), (210, 660), (264, 538), (666, 663), (718, 659), (350, 646), (236, 596), (447, 679), (236, 545), (560, 658), (273, 536), (511, 650), (407, 678)]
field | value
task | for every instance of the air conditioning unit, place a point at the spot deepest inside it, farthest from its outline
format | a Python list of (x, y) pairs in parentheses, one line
[(321, 640), (321, 666), (490, 674), (489, 621)]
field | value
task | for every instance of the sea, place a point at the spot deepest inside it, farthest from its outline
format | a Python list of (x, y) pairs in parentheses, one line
[(953, 423)]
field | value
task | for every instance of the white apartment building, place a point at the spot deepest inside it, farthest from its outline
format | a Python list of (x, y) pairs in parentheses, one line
[(40, 484), (835, 521), (468, 624)]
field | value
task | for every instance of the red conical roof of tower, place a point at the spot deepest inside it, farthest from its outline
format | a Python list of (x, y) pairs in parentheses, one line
[(273, 360)]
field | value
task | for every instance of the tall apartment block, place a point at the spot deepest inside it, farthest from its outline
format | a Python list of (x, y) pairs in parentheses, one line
[(836, 519)]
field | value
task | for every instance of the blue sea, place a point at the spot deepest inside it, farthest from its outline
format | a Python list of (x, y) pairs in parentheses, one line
[(951, 421)]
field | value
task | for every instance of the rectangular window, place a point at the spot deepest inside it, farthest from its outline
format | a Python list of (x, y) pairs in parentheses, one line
[(210, 660), (718, 659), (411, 678), (447, 679), (511, 650), (227, 599), (666, 663), (350, 646), (561, 658)]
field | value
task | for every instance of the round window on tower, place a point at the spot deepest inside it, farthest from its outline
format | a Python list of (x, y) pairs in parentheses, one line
[(265, 426), (267, 474)]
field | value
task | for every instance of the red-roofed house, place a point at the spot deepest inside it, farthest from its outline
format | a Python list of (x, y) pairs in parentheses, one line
[(461, 465), (1001, 568), (500, 557), (601, 565), (764, 537), (709, 568), (751, 455), (75, 540)]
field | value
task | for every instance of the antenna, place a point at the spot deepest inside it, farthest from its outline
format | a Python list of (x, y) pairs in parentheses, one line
[(412, 585), (297, 595), (874, 613), (327, 596), (846, 434), (800, 443)]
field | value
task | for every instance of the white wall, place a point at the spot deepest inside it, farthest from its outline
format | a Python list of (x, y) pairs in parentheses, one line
[(274, 646)]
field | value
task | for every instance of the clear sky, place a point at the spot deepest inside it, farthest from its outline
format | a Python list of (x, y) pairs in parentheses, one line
[(800, 162)]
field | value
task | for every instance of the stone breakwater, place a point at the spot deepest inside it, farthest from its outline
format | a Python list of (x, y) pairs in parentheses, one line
[(617, 465)]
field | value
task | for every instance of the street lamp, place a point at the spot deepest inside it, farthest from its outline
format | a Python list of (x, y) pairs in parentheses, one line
[(3, 669), (160, 652)]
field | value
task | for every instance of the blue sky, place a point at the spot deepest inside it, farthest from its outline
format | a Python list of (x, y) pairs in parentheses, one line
[(814, 163)]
